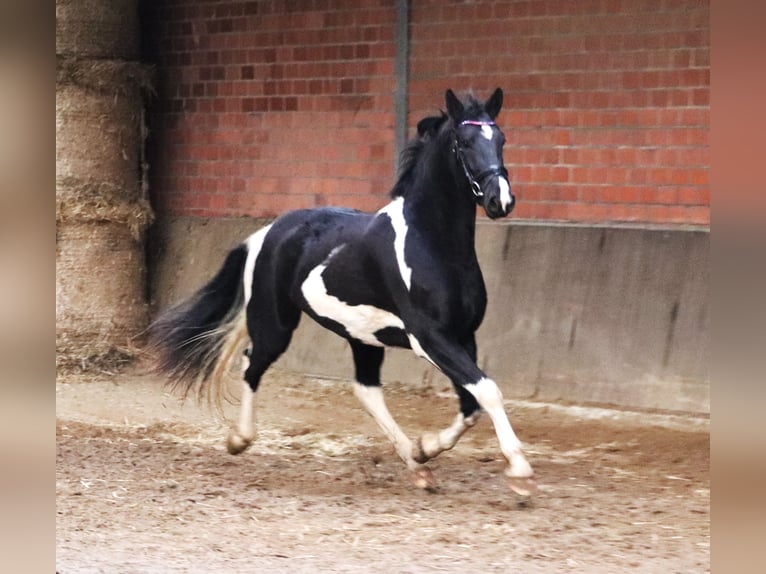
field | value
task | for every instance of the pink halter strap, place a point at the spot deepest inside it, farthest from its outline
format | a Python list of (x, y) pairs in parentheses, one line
[(476, 123)]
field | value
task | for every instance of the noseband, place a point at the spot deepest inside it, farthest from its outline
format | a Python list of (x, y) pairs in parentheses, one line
[(475, 180)]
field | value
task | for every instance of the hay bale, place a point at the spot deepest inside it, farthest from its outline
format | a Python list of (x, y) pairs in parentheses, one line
[(100, 294), (98, 134), (98, 28), (81, 201), (105, 76), (101, 191)]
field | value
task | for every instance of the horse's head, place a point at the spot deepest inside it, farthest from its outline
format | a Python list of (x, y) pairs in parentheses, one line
[(478, 148)]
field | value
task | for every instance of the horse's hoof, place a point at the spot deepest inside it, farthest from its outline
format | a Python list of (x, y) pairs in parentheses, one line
[(424, 478), (418, 452), (426, 447), (236, 443), (523, 486)]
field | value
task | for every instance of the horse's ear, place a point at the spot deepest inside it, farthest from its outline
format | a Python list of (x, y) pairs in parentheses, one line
[(494, 103), (454, 106)]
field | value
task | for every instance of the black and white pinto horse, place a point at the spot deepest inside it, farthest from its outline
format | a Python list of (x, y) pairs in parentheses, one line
[(406, 276)]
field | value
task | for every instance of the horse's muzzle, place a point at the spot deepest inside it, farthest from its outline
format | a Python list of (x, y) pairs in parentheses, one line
[(498, 199)]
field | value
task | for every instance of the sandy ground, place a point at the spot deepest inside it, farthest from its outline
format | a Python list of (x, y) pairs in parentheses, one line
[(144, 484)]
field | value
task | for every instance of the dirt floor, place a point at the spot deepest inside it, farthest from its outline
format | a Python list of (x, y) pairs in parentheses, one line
[(144, 484)]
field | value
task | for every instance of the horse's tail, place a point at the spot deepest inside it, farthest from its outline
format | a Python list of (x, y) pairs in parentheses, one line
[(195, 341)]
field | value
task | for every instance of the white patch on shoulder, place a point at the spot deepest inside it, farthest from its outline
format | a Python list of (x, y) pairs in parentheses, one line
[(360, 321), (505, 192), (486, 131), (395, 212), (254, 245)]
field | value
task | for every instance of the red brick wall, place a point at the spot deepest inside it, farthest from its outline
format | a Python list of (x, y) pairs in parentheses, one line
[(270, 105), (606, 108)]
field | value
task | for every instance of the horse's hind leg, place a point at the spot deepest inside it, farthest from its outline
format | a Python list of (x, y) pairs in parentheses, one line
[(270, 336), (241, 437), (367, 362)]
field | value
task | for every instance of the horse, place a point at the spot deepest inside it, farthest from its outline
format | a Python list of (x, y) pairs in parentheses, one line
[(404, 276)]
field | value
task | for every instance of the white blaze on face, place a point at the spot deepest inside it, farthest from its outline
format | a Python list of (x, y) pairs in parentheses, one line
[(505, 188), (360, 321), (505, 192), (395, 212)]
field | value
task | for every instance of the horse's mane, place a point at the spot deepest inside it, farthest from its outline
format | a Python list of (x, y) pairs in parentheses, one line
[(428, 130)]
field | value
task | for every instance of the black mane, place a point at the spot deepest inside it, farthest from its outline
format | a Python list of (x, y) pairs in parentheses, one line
[(428, 130), (428, 127)]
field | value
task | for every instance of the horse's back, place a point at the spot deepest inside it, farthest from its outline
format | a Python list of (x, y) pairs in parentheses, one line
[(314, 233), (298, 241)]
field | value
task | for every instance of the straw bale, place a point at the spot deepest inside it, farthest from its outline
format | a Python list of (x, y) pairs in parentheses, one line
[(105, 76), (101, 201), (101, 185), (86, 354), (98, 136), (101, 171), (98, 28), (100, 293)]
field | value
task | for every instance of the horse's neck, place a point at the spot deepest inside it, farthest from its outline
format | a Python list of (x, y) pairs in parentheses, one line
[(445, 214)]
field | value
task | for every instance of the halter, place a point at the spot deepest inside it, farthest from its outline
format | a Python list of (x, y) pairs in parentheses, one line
[(473, 181)]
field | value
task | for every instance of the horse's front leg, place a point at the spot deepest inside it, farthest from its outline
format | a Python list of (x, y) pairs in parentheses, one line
[(432, 444), (367, 362), (519, 472), (456, 362)]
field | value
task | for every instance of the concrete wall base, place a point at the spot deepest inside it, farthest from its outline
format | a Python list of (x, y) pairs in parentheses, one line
[(590, 315)]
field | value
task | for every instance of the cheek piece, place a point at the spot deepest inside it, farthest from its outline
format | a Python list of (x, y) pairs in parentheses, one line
[(474, 181)]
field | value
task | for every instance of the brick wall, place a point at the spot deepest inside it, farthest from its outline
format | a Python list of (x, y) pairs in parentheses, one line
[(607, 102), (270, 105)]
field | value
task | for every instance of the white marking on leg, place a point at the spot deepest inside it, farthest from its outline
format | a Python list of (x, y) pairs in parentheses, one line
[(505, 192), (241, 437), (418, 349), (254, 245), (486, 131), (490, 398), (395, 212), (448, 437), (246, 427), (432, 444), (360, 321), (371, 398)]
